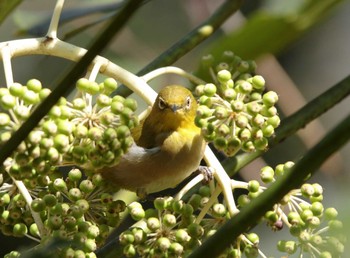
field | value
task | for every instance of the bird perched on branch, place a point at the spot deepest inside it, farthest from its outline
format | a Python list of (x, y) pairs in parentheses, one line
[(168, 146)]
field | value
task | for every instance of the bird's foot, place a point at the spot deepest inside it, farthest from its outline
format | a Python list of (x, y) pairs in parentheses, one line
[(207, 172), (142, 194)]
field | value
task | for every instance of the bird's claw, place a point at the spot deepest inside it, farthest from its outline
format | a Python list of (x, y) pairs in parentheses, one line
[(141, 193), (207, 172)]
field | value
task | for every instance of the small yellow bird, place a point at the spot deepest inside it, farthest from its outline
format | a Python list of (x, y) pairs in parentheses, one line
[(169, 146)]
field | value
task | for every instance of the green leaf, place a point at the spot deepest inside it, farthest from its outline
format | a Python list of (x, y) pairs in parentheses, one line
[(6, 7)]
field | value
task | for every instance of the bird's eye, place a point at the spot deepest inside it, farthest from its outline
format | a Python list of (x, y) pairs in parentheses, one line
[(188, 102), (161, 103)]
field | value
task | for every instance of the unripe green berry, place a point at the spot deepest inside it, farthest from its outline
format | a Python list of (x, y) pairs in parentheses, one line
[(74, 175), (86, 186), (219, 210), (258, 82), (33, 230), (54, 222), (4, 119), (274, 121), (38, 205), (60, 185), (335, 225), (254, 238), (20, 229), (7, 101), (243, 200), (153, 223), (17, 89), (204, 191), (317, 208), (34, 85), (110, 85), (169, 220), (209, 89), (30, 97), (304, 237), (129, 250), (307, 190), (330, 213), (163, 243), (74, 194), (267, 174), (176, 248), (103, 100), (223, 76), (305, 215), (182, 236), (244, 87), (290, 247), (253, 186), (251, 251), (270, 98), (50, 200), (137, 213), (160, 203), (79, 103), (83, 205), (90, 245), (237, 105), (195, 230), (130, 103), (139, 235), (293, 218)]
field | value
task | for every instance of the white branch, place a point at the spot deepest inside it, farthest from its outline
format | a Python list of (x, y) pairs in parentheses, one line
[(52, 31), (222, 178), (56, 47), (172, 69), (6, 59)]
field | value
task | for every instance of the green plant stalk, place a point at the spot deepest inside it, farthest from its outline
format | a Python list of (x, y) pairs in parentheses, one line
[(189, 41), (65, 85), (294, 122), (250, 214)]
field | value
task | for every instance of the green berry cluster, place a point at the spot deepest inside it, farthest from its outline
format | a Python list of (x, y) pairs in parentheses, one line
[(234, 111), (316, 229), (79, 210), (101, 131), (43, 148), (77, 132), (171, 229)]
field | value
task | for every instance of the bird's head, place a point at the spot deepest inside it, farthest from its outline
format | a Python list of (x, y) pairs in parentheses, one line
[(174, 108)]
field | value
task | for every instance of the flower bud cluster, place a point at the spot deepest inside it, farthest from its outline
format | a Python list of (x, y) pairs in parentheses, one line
[(77, 132), (44, 145), (77, 209), (235, 112), (171, 228), (316, 229), (100, 132)]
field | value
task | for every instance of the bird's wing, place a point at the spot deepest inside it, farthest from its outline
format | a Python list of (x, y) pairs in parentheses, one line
[(137, 154)]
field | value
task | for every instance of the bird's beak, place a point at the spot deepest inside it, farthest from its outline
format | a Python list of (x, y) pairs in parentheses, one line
[(175, 108)]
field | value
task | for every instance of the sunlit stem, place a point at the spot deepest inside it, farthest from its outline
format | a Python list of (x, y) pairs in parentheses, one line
[(199, 178), (222, 178), (92, 75), (174, 70), (6, 59), (26, 195), (210, 203), (52, 31)]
